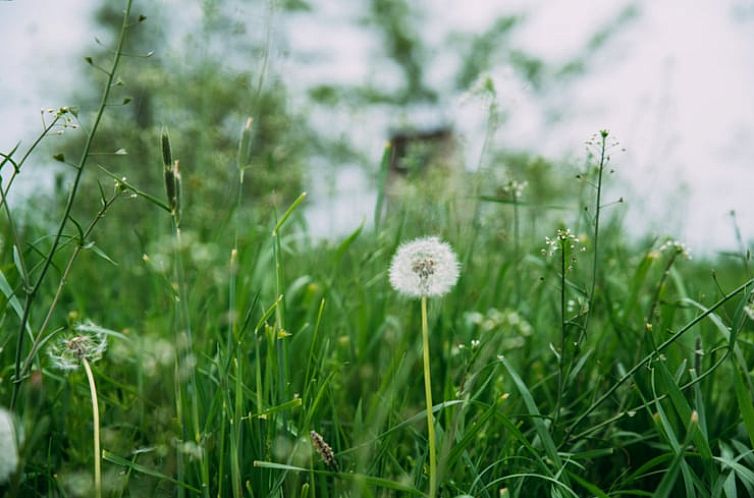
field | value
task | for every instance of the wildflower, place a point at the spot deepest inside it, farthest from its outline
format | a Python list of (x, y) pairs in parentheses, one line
[(515, 188), (424, 267), (674, 246), (9, 453), (324, 450), (565, 237), (89, 345)]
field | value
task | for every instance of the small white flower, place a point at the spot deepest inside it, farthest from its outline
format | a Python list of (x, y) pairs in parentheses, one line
[(677, 247), (565, 237), (9, 453), (424, 267)]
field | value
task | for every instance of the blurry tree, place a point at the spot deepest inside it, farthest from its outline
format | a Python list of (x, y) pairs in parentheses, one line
[(202, 87), (477, 54), (201, 78)]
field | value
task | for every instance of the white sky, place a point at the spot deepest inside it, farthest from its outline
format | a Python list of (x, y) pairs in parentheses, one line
[(676, 87)]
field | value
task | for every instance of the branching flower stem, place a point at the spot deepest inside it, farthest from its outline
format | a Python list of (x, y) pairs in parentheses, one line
[(32, 292), (39, 337), (597, 209)]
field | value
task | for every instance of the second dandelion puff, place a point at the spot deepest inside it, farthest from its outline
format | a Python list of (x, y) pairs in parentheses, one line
[(422, 268)]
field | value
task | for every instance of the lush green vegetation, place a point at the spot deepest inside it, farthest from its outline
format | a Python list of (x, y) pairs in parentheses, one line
[(569, 360)]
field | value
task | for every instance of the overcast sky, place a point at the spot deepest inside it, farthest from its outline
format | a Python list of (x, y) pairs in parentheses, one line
[(675, 86)]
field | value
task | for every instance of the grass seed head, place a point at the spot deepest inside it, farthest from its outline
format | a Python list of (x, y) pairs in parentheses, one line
[(324, 450)]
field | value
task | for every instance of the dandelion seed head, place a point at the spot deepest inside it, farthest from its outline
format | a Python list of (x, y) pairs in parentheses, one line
[(90, 344), (424, 267)]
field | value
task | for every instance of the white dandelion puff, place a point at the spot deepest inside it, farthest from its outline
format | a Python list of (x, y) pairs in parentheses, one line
[(9, 453), (90, 345), (424, 267)]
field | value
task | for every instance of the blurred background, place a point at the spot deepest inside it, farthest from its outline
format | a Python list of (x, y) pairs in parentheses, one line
[(501, 86)]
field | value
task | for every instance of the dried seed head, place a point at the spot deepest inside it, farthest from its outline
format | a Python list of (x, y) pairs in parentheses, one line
[(424, 267), (324, 450)]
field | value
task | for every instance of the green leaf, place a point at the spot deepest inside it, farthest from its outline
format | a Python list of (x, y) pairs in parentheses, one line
[(745, 405), (288, 213), (7, 290), (372, 481), (589, 486), (112, 458), (99, 252), (343, 247), (531, 406)]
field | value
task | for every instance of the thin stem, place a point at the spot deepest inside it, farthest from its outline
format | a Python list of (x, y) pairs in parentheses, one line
[(563, 327), (603, 146), (61, 284), (670, 340), (31, 293), (517, 244), (17, 165), (428, 394), (95, 423)]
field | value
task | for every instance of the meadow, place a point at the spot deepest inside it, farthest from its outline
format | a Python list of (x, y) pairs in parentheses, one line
[(161, 341)]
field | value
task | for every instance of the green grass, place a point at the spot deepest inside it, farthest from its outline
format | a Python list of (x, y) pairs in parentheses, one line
[(620, 370)]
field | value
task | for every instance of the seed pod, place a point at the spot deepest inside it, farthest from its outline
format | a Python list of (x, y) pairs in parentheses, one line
[(167, 157), (324, 450)]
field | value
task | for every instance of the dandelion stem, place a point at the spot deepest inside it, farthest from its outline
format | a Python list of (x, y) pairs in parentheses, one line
[(428, 394), (95, 423)]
